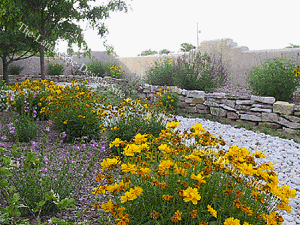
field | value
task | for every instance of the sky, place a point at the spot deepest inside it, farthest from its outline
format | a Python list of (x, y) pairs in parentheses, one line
[(166, 24)]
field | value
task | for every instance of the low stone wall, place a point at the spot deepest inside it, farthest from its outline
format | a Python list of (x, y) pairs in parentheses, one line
[(255, 111)]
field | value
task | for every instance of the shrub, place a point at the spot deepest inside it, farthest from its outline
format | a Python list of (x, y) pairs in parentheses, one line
[(148, 52), (168, 99), (183, 178), (132, 117), (164, 51), (161, 73), (55, 69), (15, 69), (186, 47), (275, 78), (95, 68), (23, 129)]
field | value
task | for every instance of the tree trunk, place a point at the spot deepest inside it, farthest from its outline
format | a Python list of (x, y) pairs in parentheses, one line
[(42, 58), (5, 70)]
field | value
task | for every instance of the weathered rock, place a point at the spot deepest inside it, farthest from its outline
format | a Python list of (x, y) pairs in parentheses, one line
[(263, 106), (195, 94), (198, 101), (250, 117), (287, 123), (242, 107), (261, 110), (201, 106), (292, 118), (211, 104), (269, 117), (289, 131), (269, 100), (230, 103), (232, 115), (269, 125), (244, 102), (283, 108), (218, 112)]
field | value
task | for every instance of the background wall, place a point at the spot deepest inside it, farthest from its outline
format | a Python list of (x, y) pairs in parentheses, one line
[(237, 60)]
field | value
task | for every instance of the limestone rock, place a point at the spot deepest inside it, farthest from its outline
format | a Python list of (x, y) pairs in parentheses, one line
[(284, 108), (269, 100)]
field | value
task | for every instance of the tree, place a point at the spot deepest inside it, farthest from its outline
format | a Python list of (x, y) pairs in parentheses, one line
[(186, 47), (54, 19), (13, 45), (293, 46), (164, 51), (147, 52)]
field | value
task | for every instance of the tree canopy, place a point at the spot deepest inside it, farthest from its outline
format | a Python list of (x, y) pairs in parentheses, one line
[(50, 20)]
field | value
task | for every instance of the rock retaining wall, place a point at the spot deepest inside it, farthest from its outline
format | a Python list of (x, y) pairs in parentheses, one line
[(254, 110)]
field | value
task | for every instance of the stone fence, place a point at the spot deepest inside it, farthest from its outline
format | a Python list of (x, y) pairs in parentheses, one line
[(254, 110), (250, 110)]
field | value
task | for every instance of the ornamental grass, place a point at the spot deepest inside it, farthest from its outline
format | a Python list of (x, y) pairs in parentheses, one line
[(185, 178)]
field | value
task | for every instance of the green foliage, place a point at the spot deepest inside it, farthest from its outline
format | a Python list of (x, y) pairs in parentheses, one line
[(169, 100), (199, 72), (161, 73), (192, 72), (148, 52), (55, 69), (25, 129), (164, 51), (15, 69), (293, 46), (275, 78), (186, 47), (95, 68), (101, 69)]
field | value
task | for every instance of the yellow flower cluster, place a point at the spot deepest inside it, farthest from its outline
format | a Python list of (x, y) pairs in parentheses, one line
[(296, 72), (116, 70)]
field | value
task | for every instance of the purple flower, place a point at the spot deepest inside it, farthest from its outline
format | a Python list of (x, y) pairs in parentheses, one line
[(63, 155), (34, 96), (92, 145), (89, 153), (71, 171), (26, 110), (76, 147), (42, 174), (2, 145), (22, 157), (83, 145), (32, 147), (62, 158), (3, 138), (34, 115), (50, 122), (46, 159), (63, 134), (102, 148), (47, 129), (71, 161), (43, 169), (33, 143), (85, 137)]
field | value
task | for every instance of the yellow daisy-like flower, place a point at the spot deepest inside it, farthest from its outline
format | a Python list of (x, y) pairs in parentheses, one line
[(66, 121), (108, 206), (139, 139), (232, 221), (212, 211), (191, 194), (116, 143)]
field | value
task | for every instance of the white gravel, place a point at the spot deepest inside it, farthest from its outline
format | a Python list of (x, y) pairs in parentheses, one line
[(284, 153)]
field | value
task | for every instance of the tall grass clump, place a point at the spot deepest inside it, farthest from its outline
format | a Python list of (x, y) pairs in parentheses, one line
[(186, 178), (274, 77), (191, 72)]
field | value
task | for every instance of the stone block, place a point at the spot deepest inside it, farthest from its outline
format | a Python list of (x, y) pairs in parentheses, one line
[(181, 98), (183, 92), (261, 110), (283, 108), (244, 102), (297, 113), (297, 107), (242, 107), (269, 100), (181, 104), (211, 104), (216, 100), (230, 103), (254, 113), (289, 131), (218, 112), (198, 101), (202, 111), (195, 94), (215, 95), (263, 106), (232, 115), (269, 125), (288, 124), (250, 117), (191, 109), (269, 117), (227, 108), (292, 118), (201, 106), (188, 100)]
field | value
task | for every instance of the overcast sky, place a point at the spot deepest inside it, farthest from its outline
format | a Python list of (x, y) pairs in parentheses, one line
[(165, 24)]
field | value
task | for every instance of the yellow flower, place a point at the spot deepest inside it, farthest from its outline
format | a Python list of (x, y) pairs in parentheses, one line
[(154, 215), (191, 194), (116, 143), (167, 197), (148, 117), (131, 168), (13, 103), (231, 221), (177, 217), (165, 164), (212, 211), (66, 121), (198, 178), (258, 154), (139, 139), (108, 206)]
